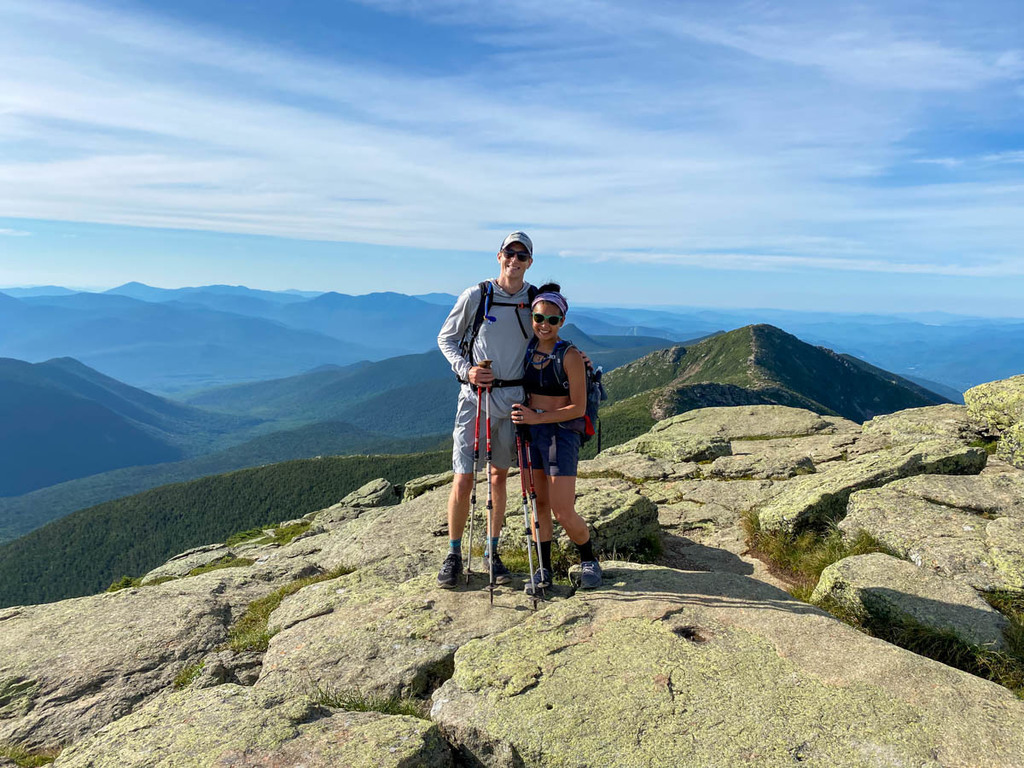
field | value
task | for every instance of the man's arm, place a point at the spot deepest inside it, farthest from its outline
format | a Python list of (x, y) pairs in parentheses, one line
[(454, 328)]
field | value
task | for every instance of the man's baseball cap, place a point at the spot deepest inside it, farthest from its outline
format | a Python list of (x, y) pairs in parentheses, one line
[(519, 237)]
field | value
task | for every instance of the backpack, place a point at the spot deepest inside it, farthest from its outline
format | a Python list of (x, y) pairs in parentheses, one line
[(486, 302), (595, 389)]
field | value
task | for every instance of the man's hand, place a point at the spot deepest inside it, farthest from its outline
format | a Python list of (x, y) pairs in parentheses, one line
[(481, 377)]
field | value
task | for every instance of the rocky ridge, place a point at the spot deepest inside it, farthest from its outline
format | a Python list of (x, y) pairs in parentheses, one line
[(698, 657)]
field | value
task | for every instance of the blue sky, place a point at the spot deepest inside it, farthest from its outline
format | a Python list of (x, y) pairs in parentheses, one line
[(798, 155)]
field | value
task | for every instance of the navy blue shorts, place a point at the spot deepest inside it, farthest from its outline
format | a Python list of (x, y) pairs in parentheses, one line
[(555, 448)]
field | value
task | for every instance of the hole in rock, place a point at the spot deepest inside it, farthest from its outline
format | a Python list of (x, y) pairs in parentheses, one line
[(693, 634)]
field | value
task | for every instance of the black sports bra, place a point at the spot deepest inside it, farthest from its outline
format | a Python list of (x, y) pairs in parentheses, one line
[(540, 379)]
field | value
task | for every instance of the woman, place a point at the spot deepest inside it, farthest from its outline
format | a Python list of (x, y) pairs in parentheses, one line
[(556, 402)]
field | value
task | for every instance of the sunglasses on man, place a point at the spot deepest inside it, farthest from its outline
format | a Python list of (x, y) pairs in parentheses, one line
[(521, 255), (549, 319)]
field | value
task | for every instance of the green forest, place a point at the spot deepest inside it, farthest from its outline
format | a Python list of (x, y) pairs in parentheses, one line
[(82, 553)]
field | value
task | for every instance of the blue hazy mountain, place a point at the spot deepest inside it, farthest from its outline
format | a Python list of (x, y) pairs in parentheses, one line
[(167, 346), (63, 420)]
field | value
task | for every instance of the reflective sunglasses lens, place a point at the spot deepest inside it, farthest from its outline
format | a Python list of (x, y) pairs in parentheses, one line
[(549, 319), (521, 255)]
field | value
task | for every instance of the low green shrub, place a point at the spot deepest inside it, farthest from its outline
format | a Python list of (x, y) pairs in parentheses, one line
[(125, 582)]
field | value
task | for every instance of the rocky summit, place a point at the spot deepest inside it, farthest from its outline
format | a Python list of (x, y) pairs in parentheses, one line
[(334, 646)]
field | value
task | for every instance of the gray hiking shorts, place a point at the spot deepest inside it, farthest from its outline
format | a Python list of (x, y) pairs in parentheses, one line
[(503, 439)]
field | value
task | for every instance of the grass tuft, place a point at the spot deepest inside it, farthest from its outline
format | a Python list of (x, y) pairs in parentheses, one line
[(187, 675), (228, 561), (800, 558), (24, 758), (250, 632), (243, 536), (285, 534), (352, 700)]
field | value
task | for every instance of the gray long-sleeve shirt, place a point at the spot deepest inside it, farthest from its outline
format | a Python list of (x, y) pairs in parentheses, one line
[(502, 342)]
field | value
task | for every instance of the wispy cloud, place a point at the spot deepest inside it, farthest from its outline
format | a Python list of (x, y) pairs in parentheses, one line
[(14, 233), (778, 137)]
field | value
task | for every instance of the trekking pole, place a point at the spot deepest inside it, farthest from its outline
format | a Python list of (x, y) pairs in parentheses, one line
[(536, 516), (526, 508), (490, 501), (472, 495)]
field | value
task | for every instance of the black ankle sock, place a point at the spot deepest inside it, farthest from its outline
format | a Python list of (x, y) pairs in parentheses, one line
[(586, 551), (545, 554)]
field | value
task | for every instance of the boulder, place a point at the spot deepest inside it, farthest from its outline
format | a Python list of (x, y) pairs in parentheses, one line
[(376, 493), (620, 518), (765, 465), (634, 467), (998, 404), (886, 589), (753, 421), (69, 668), (420, 485), (664, 667), (360, 631), (1010, 447), (674, 446), (403, 540), (913, 425), (181, 565), (234, 726), (964, 528), (818, 499)]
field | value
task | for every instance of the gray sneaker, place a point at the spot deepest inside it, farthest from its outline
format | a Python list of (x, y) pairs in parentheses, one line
[(590, 574), (501, 573), (538, 581), (451, 569)]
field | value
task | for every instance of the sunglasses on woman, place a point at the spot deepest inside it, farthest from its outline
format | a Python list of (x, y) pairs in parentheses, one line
[(549, 319)]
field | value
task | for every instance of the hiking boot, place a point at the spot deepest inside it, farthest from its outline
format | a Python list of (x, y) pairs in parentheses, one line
[(540, 580), (501, 573), (450, 571), (590, 574)]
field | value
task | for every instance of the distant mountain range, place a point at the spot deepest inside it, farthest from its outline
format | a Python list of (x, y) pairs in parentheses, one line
[(174, 341), (398, 405), (757, 364)]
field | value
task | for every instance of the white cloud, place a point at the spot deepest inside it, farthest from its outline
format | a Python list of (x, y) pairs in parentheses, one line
[(696, 132), (14, 233)]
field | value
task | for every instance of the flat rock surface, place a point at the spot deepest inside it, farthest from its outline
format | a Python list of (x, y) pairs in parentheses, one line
[(820, 498), (916, 424), (69, 668), (721, 670), (888, 588), (964, 528), (362, 632), (234, 726)]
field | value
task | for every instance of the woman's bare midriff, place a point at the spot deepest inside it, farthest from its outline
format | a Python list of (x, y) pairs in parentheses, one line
[(548, 402)]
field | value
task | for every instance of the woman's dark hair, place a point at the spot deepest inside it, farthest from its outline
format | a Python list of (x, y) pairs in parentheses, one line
[(550, 288)]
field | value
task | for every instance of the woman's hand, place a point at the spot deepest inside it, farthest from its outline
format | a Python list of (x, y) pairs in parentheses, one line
[(524, 415)]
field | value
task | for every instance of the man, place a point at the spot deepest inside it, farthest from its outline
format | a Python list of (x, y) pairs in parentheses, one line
[(502, 338)]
